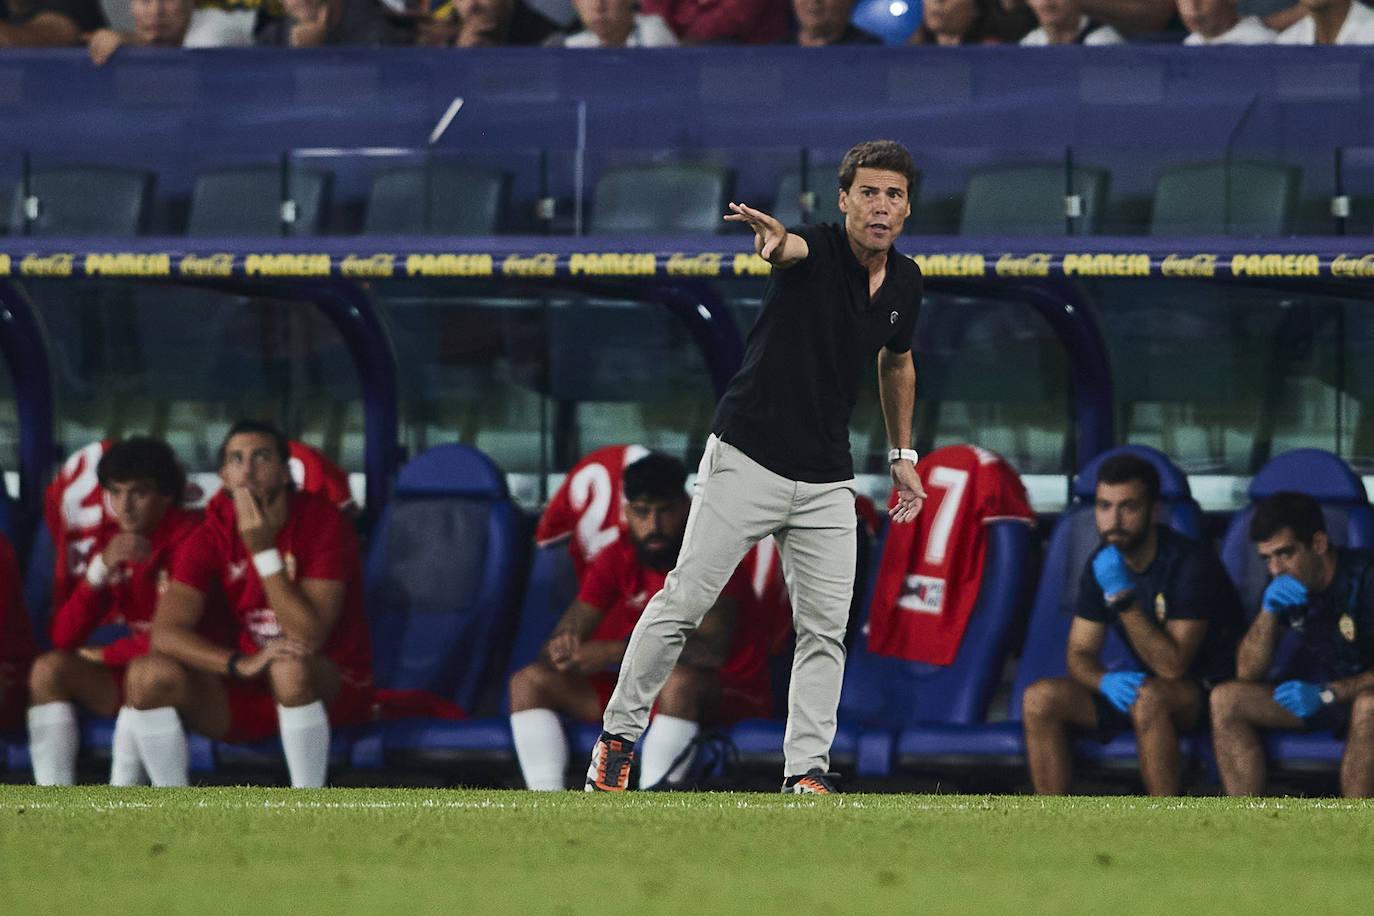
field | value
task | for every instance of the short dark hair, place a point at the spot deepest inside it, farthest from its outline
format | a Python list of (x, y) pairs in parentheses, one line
[(1125, 467), (257, 426), (877, 154), (143, 458), (655, 476), (1297, 512)]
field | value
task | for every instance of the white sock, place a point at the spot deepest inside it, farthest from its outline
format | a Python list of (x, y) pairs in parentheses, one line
[(53, 741), (541, 747), (665, 741), (305, 739), (161, 744), (126, 766)]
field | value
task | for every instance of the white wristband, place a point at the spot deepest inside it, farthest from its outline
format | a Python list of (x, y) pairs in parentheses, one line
[(267, 562), (902, 454), (96, 571)]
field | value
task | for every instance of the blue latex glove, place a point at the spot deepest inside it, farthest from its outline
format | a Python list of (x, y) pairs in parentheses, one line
[(1301, 698), (1121, 688), (1109, 567), (1283, 592)]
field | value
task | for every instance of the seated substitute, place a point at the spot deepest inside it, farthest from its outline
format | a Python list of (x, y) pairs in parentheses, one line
[(720, 676), (1325, 594), (142, 485), (288, 564), (1169, 599)]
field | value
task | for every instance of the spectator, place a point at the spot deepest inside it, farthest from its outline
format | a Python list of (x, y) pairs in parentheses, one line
[(1219, 22), (956, 22), (288, 564), (615, 24), (713, 22), (1325, 595), (16, 641), (1169, 600), (1331, 22), (826, 22), (328, 23), (157, 24), (230, 23), (48, 23), (720, 676), (1062, 22), (143, 485), (485, 23)]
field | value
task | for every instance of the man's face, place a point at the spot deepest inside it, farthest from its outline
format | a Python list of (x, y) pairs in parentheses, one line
[(1051, 13), (137, 505), (161, 22), (950, 17), (251, 461), (1124, 514), (607, 19), (656, 527), (303, 9), (822, 15), (875, 207), (1207, 17), (1284, 555)]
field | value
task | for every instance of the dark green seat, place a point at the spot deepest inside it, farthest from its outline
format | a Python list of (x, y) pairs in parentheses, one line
[(1241, 198), (1028, 199), (437, 199), (247, 199), (86, 200), (671, 198)]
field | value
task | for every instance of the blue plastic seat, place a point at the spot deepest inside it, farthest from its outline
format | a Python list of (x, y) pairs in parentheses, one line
[(441, 583), (1071, 542)]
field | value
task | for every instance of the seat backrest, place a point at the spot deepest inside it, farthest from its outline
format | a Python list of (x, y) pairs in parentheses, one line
[(1029, 199), (1326, 478), (1225, 198), (86, 200), (438, 198), (1072, 542), (441, 575), (38, 583), (669, 198), (247, 200)]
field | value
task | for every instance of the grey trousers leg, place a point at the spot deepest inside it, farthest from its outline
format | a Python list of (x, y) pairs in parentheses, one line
[(737, 503)]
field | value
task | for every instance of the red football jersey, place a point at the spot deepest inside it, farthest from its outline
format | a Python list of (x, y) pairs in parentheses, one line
[(931, 568), (77, 517), (129, 595), (619, 586), (311, 472), (317, 542)]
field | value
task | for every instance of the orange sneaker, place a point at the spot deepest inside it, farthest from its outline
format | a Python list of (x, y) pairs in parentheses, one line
[(815, 782), (611, 760)]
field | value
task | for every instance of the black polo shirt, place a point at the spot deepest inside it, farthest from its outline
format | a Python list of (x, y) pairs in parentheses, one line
[(1336, 626), (788, 407), (1185, 581)]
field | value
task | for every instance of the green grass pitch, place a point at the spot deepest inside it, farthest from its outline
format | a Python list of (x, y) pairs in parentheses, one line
[(382, 851)]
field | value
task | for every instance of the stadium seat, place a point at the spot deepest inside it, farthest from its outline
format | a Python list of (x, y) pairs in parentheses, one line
[(1225, 198), (247, 200), (440, 198), (821, 182), (1074, 537), (1349, 523), (670, 198), (442, 579), (86, 200), (1028, 199)]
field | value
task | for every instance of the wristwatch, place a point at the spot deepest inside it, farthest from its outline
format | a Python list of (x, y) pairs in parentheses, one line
[(902, 454), (1327, 695)]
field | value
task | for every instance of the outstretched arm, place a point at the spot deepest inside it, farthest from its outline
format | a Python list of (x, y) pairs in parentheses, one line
[(772, 241)]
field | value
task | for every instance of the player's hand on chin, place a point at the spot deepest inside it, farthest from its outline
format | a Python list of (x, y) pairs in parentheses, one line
[(258, 522)]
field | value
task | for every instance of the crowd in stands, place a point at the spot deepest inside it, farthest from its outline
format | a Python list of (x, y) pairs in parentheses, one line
[(666, 23)]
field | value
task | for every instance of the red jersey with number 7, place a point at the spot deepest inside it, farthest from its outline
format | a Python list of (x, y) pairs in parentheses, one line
[(931, 568)]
